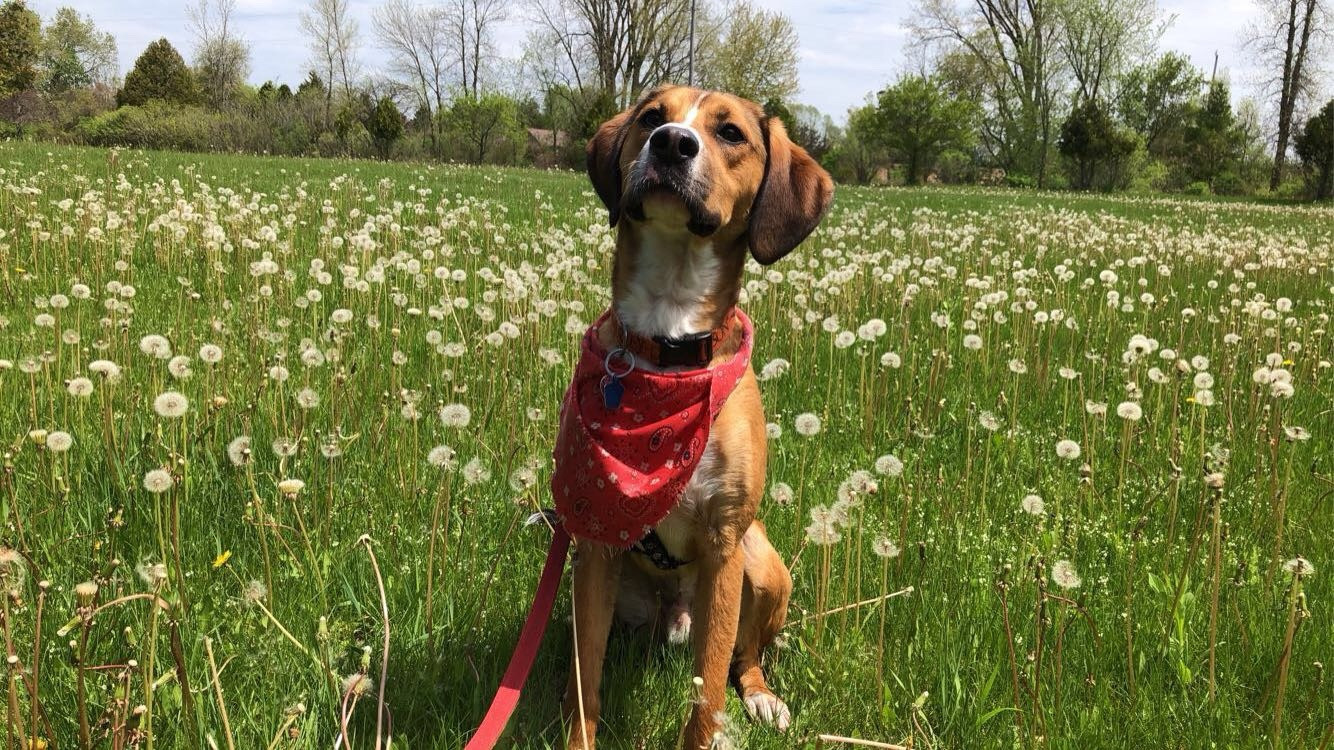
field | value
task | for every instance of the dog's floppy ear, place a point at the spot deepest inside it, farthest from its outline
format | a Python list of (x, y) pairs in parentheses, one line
[(793, 196), (604, 163)]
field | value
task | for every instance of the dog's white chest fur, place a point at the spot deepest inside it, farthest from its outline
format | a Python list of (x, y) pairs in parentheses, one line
[(679, 530), (670, 284)]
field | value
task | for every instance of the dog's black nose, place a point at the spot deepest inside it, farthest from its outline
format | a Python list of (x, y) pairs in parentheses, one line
[(673, 144)]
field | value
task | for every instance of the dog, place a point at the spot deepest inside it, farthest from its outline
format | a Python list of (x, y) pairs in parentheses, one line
[(693, 182)]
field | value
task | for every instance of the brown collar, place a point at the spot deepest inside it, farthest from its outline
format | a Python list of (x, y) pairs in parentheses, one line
[(693, 350)]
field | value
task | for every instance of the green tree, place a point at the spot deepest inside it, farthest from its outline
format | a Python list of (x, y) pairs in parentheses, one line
[(385, 125), (312, 86), (807, 126), (1213, 141), (1315, 147), (488, 127), (75, 54), (161, 74), (1097, 150), (919, 119), (20, 40), (1155, 99), (856, 154)]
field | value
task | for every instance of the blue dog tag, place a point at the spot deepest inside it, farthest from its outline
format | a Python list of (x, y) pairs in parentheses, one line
[(612, 390)]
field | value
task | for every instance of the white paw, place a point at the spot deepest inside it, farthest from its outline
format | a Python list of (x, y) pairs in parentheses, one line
[(768, 708), (678, 628)]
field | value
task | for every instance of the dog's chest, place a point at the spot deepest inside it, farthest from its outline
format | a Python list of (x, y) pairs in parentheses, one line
[(679, 531), (669, 288)]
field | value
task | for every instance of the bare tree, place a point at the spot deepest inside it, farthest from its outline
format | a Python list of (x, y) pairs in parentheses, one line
[(471, 25), (1101, 39), (333, 45), (222, 57), (1286, 39), (420, 51), (1016, 46), (618, 46)]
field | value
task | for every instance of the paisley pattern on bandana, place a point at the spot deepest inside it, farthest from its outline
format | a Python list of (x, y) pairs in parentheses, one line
[(621, 471)]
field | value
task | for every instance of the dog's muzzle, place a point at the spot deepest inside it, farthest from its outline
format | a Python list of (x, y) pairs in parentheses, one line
[(668, 166)]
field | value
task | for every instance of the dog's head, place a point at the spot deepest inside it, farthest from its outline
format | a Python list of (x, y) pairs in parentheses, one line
[(712, 164)]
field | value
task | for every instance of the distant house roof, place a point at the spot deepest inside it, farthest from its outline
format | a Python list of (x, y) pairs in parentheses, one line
[(549, 138)]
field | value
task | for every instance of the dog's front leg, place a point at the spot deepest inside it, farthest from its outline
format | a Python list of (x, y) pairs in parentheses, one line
[(596, 575), (717, 612)]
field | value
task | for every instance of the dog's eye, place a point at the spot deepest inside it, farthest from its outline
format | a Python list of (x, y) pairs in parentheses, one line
[(731, 134), (651, 119)]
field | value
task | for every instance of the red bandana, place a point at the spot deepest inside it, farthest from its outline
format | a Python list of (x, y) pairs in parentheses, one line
[(620, 471)]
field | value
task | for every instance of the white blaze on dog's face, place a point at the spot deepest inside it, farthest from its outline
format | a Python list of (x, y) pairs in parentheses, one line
[(710, 164)]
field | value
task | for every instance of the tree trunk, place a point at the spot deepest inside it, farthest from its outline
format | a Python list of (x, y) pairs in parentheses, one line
[(1294, 58)]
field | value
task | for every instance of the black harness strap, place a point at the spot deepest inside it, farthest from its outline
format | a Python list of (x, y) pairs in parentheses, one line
[(651, 546)]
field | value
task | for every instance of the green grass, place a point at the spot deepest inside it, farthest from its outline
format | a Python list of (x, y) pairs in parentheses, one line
[(532, 248)]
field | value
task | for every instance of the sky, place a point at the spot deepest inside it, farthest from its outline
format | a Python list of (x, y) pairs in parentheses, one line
[(849, 48)]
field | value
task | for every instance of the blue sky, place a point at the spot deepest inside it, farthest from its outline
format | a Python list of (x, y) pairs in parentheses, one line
[(848, 47)]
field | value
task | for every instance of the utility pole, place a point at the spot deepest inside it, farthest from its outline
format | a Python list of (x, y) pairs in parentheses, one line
[(690, 58)]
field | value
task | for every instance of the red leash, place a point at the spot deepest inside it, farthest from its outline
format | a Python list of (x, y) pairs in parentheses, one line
[(521, 663)]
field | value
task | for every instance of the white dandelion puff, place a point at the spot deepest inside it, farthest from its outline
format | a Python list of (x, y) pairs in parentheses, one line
[(455, 415), (807, 424), (1063, 573), (238, 450), (171, 405), (158, 481)]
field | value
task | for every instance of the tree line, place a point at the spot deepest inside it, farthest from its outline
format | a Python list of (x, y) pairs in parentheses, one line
[(1042, 93)]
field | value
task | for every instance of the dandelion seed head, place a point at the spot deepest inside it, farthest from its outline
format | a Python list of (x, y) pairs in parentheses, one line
[(80, 387), (441, 457), (171, 405), (885, 547), (807, 424), (1063, 574), (158, 481), (291, 487), (1129, 411), (476, 471), (59, 441), (238, 450), (889, 465), (210, 354), (284, 447), (455, 415), (153, 574), (357, 685), (1299, 566), (254, 592)]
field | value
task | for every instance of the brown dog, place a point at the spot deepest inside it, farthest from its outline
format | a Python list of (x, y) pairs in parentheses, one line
[(693, 181)]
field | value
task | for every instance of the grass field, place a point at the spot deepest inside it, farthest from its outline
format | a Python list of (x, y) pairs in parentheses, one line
[(225, 381)]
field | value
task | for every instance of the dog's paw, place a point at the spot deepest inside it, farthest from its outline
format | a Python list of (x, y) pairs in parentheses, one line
[(678, 628), (767, 708)]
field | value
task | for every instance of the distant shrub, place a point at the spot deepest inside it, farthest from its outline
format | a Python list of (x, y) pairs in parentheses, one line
[(1232, 182), (1199, 187), (1153, 176), (1017, 180), (956, 167)]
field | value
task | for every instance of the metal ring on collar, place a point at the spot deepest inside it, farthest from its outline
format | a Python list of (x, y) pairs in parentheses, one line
[(623, 353)]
